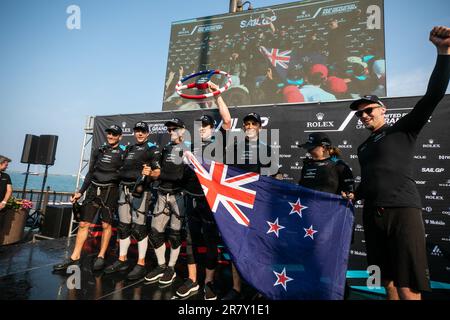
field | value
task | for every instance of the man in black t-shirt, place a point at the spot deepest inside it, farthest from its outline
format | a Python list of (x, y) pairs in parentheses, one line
[(5, 182), (392, 216)]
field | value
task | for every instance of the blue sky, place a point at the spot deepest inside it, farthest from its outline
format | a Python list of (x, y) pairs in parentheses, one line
[(52, 78)]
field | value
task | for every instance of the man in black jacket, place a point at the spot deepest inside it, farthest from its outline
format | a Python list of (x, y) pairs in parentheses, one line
[(392, 216)]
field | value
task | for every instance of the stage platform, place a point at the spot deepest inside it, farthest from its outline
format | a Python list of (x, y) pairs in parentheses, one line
[(26, 273)]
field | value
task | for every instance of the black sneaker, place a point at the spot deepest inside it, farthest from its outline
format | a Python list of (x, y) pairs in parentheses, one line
[(168, 276), (117, 267), (187, 288), (156, 273), (232, 295), (62, 266), (99, 263), (137, 273), (210, 291)]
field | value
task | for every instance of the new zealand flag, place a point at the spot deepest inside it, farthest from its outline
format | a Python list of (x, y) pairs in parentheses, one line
[(287, 241)]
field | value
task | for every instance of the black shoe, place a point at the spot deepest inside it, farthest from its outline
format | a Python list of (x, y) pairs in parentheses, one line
[(156, 273), (65, 264), (187, 288), (99, 263), (210, 291), (117, 266), (137, 273), (168, 276), (232, 295)]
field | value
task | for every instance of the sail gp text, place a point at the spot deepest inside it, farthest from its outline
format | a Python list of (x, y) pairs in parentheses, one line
[(227, 309)]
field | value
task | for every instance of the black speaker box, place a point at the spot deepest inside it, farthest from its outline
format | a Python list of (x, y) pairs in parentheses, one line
[(56, 221), (47, 150), (30, 147)]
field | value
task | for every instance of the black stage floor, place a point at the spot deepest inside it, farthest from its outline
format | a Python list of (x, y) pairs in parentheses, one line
[(26, 273)]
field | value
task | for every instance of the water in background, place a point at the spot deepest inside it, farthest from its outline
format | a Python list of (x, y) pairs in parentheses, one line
[(59, 183)]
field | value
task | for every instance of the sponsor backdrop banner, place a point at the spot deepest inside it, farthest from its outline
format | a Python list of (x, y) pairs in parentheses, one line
[(295, 122), (272, 53)]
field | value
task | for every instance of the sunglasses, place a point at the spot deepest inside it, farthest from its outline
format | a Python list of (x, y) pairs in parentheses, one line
[(367, 111), (112, 134), (171, 129)]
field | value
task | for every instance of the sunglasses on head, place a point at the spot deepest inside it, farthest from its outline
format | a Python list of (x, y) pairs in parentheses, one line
[(367, 111)]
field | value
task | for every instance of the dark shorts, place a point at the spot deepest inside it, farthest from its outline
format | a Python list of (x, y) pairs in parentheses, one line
[(395, 241), (103, 205)]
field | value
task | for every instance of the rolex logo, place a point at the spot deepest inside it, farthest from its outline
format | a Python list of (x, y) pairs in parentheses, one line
[(320, 116), (124, 124), (431, 141), (345, 142), (434, 193)]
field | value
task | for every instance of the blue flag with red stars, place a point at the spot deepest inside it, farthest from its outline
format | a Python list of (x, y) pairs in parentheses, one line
[(286, 241)]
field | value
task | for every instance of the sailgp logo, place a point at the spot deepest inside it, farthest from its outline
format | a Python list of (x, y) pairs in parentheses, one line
[(262, 20), (433, 170)]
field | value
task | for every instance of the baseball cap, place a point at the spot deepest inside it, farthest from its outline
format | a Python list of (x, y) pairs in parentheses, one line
[(141, 125), (254, 116), (292, 94), (337, 85), (369, 99), (114, 129), (316, 139), (319, 68), (208, 120), (175, 122)]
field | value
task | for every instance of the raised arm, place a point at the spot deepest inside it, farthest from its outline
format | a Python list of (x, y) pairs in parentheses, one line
[(416, 119), (223, 108)]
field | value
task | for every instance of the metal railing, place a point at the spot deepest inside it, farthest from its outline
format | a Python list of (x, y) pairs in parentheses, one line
[(49, 197)]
